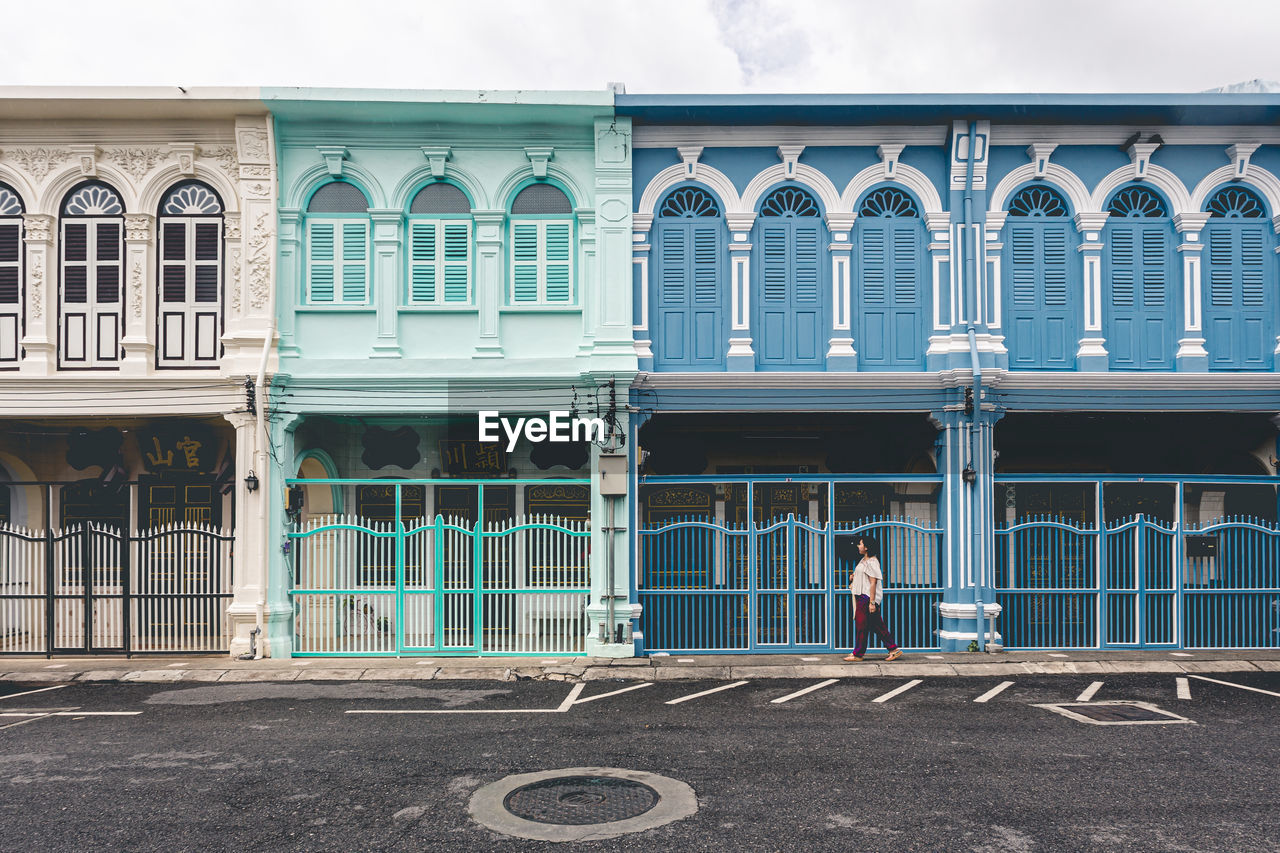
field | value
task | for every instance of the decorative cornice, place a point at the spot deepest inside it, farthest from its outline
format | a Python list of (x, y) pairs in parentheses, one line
[(137, 161), (768, 136), (37, 162)]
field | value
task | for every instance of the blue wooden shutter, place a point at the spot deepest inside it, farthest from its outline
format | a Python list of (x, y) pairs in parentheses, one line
[(773, 337), (320, 261), (905, 266), (457, 261), (1238, 320), (355, 261), (1155, 279), (559, 245), (874, 310), (673, 310), (422, 261), (524, 266)]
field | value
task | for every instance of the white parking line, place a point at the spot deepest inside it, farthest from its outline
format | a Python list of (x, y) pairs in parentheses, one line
[(1233, 684), (799, 693), (71, 713), (29, 692), (613, 693), (707, 692), (1184, 688), (994, 691), (895, 691), (564, 706), (1087, 693), (572, 697)]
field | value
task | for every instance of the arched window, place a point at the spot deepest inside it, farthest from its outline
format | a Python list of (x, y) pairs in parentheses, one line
[(688, 300), (1239, 281), (1040, 292), (11, 255), (789, 305), (90, 308), (892, 298), (541, 247), (189, 309), (440, 246), (1139, 295), (338, 245)]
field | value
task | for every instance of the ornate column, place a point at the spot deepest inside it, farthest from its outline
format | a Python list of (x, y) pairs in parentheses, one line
[(1192, 357), (490, 284), (385, 280), (1092, 354), (592, 279), (948, 341), (139, 342), (641, 248), (992, 251), (249, 546), (255, 154), (840, 352), (610, 537), (612, 299), (741, 356), (40, 339), (289, 280)]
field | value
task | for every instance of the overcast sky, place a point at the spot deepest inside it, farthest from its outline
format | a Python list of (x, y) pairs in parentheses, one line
[(650, 45)]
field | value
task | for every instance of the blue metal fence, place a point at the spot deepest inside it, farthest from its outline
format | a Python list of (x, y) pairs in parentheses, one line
[(1093, 574), (779, 582)]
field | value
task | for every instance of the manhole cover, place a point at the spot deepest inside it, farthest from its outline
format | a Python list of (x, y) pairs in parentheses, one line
[(578, 800), (581, 803), (1116, 713)]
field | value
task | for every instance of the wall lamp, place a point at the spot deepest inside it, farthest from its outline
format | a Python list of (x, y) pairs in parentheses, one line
[(251, 482)]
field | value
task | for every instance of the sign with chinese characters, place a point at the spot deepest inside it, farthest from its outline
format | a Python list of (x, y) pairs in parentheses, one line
[(180, 446), (467, 458)]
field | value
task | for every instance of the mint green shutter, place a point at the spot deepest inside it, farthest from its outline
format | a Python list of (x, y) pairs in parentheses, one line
[(355, 261), (320, 262), (524, 262), (422, 261), (457, 262), (558, 247)]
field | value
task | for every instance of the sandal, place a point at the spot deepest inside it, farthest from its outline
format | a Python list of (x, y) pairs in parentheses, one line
[(893, 655), (853, 659)]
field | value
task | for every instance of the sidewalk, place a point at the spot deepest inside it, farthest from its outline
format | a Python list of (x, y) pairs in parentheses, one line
[(660, 668)]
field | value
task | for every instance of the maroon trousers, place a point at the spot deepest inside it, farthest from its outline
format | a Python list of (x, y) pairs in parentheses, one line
[(869, 621)]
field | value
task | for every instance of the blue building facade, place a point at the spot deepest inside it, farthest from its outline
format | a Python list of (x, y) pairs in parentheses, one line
[(1028, 343)]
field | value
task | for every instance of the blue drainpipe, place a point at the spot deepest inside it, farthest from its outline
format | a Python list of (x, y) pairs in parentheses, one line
[(971, 298)]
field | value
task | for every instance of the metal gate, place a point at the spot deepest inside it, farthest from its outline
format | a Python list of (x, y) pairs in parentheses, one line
[(517, 585), (91, 588), (765, 565), (1185, 574)]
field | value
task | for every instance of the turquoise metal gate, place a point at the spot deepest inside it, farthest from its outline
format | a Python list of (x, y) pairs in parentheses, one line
[(1138, 562), (514, 584)]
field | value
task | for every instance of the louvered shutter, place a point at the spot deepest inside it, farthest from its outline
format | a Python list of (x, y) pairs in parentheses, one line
[(173, 261), (805, 263), (457, 261), (874, 265), (10, 254), (355, 262), (906, 264), (1123, 267), (1023, 267), (1253, 261), (673, 261), (524, 263), (706, 265), (1238, 320), (422, 262), (774, 271), (1054, 256), (558, 247), (320, 261), (1154, 272)]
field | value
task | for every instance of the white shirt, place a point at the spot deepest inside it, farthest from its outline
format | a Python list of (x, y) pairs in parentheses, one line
[(868, 568)]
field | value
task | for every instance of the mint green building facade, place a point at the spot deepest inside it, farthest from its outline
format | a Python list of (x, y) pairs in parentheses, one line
[(442, 254)]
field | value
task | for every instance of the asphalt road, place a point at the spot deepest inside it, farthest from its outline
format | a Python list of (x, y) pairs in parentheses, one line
[(272, 766)]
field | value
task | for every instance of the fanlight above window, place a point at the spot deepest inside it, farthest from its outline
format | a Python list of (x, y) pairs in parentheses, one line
[(191, 200), (338, 197), (1235, 203), (541, 198), (890, 204), (94, 200), (1037, 201), (440, 198), (789, 202), (10, 204), (1137, 203), (689, 203)]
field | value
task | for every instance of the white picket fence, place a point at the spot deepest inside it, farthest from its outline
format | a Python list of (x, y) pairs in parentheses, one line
[(365, 588), (179, 582)]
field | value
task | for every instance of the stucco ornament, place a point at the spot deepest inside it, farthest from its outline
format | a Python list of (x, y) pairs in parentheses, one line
[(38, 162), (39, 227), (135, 287), (253, 144), (137, 162), (259, 260), (233, 260), (224, 156), (37, 285), (137, 228)]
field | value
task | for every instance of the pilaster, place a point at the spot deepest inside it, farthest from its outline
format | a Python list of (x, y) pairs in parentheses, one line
[(840, 352), (388, 228), (490, 285), (1191, 357), (277, 549), (641, 250), (1092, 353), (249, 547), (139, 311), (255, 152), (741, 356), (39, 341), (611, 299), (289, 282), (609, 605)]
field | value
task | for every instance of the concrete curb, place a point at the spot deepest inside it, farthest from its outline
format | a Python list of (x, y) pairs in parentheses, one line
[(716, 668)]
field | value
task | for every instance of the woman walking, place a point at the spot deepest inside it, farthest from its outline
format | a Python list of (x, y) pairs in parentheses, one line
[(867, 586)]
